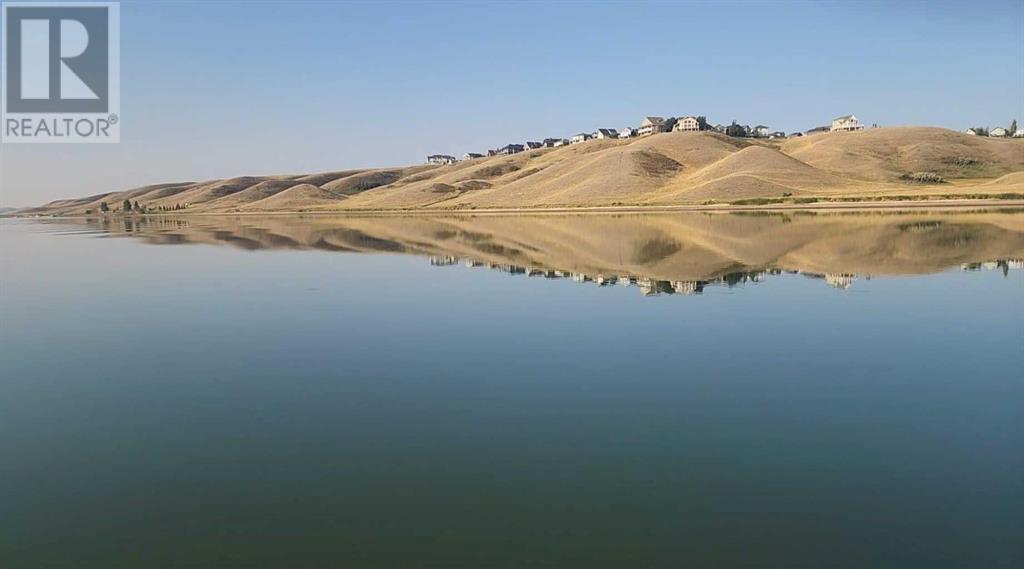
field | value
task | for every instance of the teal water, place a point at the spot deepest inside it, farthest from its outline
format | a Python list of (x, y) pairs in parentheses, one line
[(364, 393)]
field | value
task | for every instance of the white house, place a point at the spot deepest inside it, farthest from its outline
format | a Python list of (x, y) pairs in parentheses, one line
[(687, 124), (651, 125), (759, 131), (971, 131), (998, 131), (1019, 133), (606, 133), (441, 159), (532, 145), (581, 137), (471, 156), (627, 132), (560, 142), (846, 123)]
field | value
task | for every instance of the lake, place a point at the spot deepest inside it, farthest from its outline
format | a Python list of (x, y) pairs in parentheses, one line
[(729, 390)]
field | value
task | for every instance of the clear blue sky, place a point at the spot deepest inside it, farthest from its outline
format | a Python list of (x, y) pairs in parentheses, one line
[(218, 89)]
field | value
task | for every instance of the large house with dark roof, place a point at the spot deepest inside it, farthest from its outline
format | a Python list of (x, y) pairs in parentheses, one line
[(651, 125)]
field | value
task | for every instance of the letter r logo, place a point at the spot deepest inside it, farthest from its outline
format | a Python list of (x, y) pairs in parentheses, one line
[(57, 59)]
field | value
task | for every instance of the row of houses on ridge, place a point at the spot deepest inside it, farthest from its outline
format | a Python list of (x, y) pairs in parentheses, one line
[(997, 132), (654, 125)]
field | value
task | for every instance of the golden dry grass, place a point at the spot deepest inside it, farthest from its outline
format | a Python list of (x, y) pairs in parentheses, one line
[(663, 169)]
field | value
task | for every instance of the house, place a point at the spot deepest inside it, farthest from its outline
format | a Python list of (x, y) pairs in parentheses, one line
[(606, 133), (441, 159), (510, 149), (998, 131), (532, 145), (688, 124), (973, 131), (818, 130), (627, 132), (777, 134), (847, 123), (553, 142), (795, 134), (561, 142), (471, 156), (651, 125), (759, 131), (1019, 133), (581, 137)]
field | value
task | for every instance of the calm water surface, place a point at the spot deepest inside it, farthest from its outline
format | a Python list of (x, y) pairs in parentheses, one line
[(686, 390)]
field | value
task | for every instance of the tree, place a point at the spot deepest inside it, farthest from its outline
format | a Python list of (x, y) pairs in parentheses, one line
[(736, 130), (136, 206), (126, 206), (670, 123), (104, 207), (1013, 128)]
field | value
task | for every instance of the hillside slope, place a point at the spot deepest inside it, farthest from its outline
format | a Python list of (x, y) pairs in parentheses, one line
[(663, 169)]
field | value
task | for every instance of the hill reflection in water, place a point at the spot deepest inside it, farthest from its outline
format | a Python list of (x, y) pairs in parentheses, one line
[(676, 253)]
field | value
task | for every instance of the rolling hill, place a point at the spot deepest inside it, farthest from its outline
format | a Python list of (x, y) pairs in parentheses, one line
[(664, 169)]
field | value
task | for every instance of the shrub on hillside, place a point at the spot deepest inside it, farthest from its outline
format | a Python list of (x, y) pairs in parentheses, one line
[(923, 178)]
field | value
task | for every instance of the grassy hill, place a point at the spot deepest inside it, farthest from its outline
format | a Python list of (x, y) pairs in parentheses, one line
[(665, 169)]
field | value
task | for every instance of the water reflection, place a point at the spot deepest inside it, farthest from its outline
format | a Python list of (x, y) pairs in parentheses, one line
[(679, 253)]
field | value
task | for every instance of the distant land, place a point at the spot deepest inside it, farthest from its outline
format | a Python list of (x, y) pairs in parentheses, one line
[(667, 169)]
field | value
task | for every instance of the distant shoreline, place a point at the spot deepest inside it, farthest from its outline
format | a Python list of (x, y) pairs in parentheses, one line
[(888, 205)]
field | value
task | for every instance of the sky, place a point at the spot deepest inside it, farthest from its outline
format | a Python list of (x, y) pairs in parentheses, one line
[(221, 89)]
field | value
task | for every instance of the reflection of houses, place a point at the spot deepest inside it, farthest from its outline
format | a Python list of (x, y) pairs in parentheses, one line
[(839, 280), (687, 287), (1003, 265), (443, 261), (652, 287)]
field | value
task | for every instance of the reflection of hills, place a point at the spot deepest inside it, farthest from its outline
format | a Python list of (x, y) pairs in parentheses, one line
[(672, 248)]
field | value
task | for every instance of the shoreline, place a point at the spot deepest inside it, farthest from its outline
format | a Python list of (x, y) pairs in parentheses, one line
[(881, 205)]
